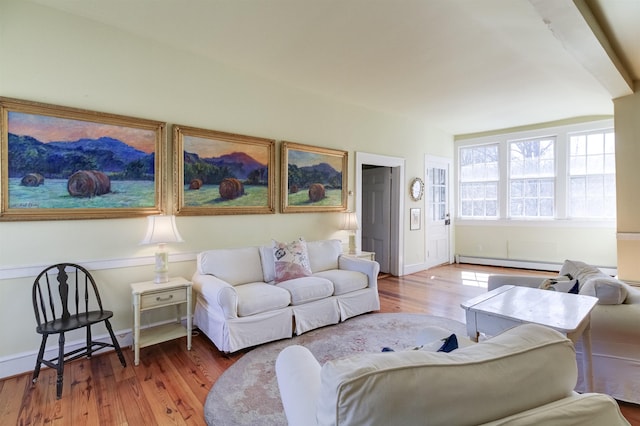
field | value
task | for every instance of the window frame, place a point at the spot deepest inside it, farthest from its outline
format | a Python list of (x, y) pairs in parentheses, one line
[(561, 133), (481, 181)]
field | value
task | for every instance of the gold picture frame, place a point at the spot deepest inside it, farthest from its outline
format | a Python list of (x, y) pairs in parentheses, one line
[(218, 173), (313, 179), (59, 162)]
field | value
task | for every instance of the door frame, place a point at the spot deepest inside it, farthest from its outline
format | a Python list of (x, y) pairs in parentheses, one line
[(396, 246)]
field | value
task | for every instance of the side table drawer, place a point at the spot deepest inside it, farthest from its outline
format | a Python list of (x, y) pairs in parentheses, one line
[(161, 298)]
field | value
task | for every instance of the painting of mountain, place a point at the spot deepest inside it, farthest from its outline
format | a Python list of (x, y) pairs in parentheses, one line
[(61, 159), (237, 165), (223, 173), (313, 178)]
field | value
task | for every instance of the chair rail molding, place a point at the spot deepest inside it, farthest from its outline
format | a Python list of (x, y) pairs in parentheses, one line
[(11, 272)]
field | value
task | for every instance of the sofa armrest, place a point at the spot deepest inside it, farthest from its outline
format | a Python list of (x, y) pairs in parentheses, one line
[(370, 268), (495, 281), (587, 409), (217, 293), (298, 375)]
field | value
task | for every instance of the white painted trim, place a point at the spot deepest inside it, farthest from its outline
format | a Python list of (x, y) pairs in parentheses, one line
[(525, 264), (536, 223), (397, 200), (24, 362), (92, 265), (416, 267), (628, 236)]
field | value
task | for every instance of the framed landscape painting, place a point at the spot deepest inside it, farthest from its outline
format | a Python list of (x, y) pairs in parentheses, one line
[(313, 179), (67, 163), (222, 173)]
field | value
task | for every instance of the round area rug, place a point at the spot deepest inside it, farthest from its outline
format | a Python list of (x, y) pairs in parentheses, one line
[(247, 392)]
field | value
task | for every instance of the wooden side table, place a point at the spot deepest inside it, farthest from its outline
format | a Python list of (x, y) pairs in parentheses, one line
[(369, 255), (149, 295)]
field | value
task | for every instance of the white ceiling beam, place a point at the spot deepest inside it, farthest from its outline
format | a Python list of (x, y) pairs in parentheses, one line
[(575, 26)]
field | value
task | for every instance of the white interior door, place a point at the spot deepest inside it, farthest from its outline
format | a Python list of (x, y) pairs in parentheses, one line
[(376, 213), (437, 217)]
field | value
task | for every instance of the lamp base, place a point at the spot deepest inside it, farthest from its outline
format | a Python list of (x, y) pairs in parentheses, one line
[(162, 267), (161, 277), (352, 244)]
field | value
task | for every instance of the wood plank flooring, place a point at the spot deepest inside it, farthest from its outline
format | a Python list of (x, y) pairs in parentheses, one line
[(170, 385)]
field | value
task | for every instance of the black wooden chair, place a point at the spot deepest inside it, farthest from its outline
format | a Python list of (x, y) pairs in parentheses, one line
[(71, 304)]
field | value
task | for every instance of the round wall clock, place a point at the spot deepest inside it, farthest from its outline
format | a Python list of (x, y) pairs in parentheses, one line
[(416, 189)]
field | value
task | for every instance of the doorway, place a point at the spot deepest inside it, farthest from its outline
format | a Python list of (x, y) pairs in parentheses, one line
[(437, 211), (384, 203), (376, 212)]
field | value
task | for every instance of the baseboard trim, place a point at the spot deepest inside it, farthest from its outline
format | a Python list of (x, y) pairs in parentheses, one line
[(412, 269), (524, 264), (24, 362)]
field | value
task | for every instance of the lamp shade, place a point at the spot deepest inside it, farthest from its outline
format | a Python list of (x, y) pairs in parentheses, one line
[(161, 230), (349, 221)]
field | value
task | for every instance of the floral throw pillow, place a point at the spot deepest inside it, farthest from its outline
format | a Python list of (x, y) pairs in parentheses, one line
[(292, 260)]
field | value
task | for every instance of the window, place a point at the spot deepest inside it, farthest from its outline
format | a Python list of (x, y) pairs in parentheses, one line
[(592, 178), (557, 172), (531, 178), (479, 177)]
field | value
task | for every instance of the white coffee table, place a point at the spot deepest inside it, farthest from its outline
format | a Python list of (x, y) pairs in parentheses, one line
[(509, 306)]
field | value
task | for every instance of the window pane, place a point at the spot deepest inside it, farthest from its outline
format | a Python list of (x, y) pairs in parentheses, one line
[(592, 175), (479, 175)]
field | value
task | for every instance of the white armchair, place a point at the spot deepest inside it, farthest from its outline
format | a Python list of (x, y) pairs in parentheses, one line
[(524, 376), (615, 335)]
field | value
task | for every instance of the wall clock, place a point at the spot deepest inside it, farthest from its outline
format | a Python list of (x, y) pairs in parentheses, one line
[(416, 189)]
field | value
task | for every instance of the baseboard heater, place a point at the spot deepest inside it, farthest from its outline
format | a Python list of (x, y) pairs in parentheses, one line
[(524, 264)]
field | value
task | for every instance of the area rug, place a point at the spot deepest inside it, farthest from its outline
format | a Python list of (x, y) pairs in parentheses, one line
[(247, 392)]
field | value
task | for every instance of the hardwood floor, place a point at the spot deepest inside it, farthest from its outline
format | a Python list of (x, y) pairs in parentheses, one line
[(170, 385)]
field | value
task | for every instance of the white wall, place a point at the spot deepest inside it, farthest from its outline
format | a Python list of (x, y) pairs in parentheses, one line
[(539, 241), (52, 57)]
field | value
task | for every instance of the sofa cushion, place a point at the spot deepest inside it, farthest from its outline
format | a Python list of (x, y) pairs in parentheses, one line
[(344, 281), (255, 298), (268, 261), (307, 289), (380, 388), (323, 254), (608, 290), (594, 282), (235, 266), (291, 260)]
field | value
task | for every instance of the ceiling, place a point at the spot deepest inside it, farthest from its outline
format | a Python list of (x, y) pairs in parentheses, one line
[(464, 66)]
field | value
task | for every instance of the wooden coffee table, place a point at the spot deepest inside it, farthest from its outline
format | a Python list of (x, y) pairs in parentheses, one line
[(509, 306)]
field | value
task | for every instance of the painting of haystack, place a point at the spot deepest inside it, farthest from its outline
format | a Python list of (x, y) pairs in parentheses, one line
[(313, 178), (68, 164), (223, 173)]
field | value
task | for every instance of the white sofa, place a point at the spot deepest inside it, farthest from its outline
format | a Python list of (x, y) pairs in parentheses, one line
[(239, 305), (615, 327), (524, 376)]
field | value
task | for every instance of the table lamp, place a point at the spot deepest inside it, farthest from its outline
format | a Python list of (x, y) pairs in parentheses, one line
[(161, 230), (350, 223)]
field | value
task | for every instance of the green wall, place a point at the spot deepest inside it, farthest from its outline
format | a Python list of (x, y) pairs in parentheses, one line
[(53, 57)]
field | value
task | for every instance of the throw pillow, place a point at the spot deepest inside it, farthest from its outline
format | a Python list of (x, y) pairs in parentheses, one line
[(608, 290), (575, 289), (562, 283), (291, 260), (450, 344), (593, 282)]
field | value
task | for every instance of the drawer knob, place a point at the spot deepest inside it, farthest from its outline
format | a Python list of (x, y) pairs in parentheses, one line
[(164, 299)]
